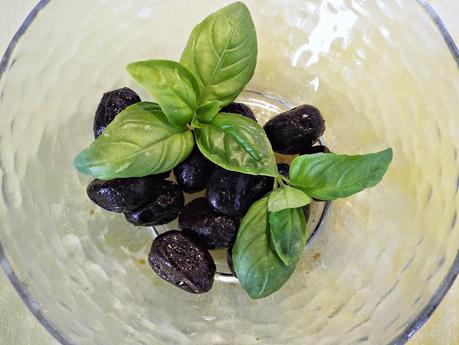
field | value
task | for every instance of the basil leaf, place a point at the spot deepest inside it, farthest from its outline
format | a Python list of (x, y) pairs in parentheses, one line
[(222, 53), (288, 234), (172, 85), (287, 197), (329, 176), (259, 270), (207, 112), (236, 143), (139, 142)]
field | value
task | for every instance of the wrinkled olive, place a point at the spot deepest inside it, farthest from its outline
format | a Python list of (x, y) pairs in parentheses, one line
[(179, 259), (232, 193), (239, 108), (213, 230), (163, 205), (123, 194), (194, 172), (111, 104), (293, 131)]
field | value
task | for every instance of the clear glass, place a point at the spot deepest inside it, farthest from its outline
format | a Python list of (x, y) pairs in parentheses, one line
[(381, 74)]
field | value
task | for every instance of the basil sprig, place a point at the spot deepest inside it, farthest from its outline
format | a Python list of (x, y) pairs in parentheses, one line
[(217, 63), (150, 138)]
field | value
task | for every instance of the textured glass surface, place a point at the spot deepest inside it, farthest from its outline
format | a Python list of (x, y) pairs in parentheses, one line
[(379, 76)]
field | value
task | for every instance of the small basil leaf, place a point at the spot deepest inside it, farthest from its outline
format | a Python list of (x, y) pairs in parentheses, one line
[(288, 234), (222, 53), (259, 270), (172, 85), (328, 176), (207, 112), (195, 123), (236, 143), (287, 197), (139, 142)]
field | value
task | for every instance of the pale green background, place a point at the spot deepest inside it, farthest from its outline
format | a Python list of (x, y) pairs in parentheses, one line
[(19, 327)]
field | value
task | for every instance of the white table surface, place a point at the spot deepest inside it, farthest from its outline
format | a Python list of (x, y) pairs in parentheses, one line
[(19, 327)]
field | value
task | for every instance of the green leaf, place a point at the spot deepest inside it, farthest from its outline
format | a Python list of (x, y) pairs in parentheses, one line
[(328, 176), (222, 53), (139, 142), (207, 112), (287, 197), (259, 269), (236, 143), (288, 234), (172, 85)]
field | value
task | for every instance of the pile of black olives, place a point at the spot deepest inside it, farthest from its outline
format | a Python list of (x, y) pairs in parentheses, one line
[(211, 222)]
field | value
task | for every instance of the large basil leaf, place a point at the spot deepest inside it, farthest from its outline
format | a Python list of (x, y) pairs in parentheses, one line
[(287, 197), (222, 53), (288, 234), (172, 85), (328, 176), (236, 143), (139, 142), (259, 270)]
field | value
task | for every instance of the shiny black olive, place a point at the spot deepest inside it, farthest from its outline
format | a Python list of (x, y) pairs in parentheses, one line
[(232, 193), (179, 259), (123, 194), (194, 172), (239, 108), (163, 206), (111, 104), (212, 229), (295, 130)]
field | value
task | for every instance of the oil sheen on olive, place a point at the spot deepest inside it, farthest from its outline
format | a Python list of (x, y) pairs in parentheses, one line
[(179, 259), (212, 229), (232, 193), (111, 104), (293, 131), (239, 108), (163, 206), (194, 172), (123, 194)]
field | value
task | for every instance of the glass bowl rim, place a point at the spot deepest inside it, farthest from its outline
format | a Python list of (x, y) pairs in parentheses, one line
[(406, 334)]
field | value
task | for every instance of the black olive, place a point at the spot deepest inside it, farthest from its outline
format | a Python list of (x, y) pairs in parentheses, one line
[(163, 206), (179, 259), (111, 104), (283, 169), (212, 229), (123, 194), (232, 193), (293, 131), (239, 108), (194, 172), (315, 149), (229, 260)]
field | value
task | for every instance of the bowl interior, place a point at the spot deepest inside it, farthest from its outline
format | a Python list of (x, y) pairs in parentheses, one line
[(381, 75)]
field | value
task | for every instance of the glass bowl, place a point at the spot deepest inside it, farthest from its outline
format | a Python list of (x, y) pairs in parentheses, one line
[(382, 73)]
